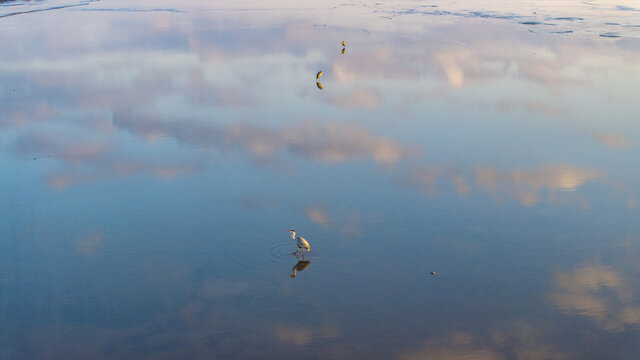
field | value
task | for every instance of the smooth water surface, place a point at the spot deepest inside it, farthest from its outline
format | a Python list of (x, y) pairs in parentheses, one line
[(154, 153)]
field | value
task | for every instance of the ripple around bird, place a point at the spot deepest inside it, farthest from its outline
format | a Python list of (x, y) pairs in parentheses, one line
[(282, 251)]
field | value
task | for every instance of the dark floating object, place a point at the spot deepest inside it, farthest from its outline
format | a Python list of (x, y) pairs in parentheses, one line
[(626, 8), (40, 157), (569, 18), (319, 85), (433, 273)]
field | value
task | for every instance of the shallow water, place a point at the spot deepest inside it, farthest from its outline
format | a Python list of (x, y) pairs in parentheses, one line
[(154, 154)]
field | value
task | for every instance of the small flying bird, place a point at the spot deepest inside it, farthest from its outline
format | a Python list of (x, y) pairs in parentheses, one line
[(319, 74), (343, 44), (319, 85), (300, 241)]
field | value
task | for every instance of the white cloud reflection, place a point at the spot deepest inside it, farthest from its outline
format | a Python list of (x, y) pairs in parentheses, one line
[(599, 293), (527, 186), (302, 335), (458, 346), (233, 78), (90, 245), (81, 160), (325, 142), (358, 99), (199, 83), (527, 343), (348, 225), (612, 140)]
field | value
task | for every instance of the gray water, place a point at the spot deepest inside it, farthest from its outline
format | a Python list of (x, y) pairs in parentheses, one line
[(154, 153)]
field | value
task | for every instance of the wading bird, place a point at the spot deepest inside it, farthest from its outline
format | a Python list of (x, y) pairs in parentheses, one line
[(301, 242)]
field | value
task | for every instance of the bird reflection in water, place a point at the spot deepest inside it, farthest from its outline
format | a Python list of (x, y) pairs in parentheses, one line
[(300, 266)]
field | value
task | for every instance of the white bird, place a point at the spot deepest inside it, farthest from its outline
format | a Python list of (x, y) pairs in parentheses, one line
[(300, 241)]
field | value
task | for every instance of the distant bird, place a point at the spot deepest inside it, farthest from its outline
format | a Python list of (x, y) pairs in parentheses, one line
[(300, 266), (300, 242), (319, 74), (342, 51), (343, 44), (319, 85)]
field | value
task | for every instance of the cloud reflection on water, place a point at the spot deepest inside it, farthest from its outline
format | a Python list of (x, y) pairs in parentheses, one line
[(159, 93), (81, 160), (525, 186), (300, 336), (348, 225), (90, 245), (458, 346), (599, 293), (527, 343), (612, 140), (328, 142)]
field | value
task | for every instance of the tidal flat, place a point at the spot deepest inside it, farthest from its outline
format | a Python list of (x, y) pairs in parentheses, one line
[(465, 176)]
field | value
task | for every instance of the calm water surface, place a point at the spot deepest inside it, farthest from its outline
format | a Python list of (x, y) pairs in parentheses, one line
[(154, 153)]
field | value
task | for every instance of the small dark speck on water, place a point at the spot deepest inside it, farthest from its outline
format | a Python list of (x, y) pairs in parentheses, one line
[(530, 22), (610, 35)]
